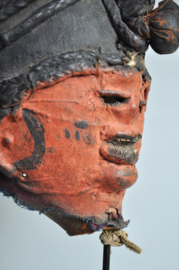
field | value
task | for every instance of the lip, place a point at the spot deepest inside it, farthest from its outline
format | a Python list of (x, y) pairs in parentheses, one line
[(121, 149), (132, 139)]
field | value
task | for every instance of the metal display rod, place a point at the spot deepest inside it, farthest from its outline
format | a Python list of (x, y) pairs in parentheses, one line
[(106, 257)]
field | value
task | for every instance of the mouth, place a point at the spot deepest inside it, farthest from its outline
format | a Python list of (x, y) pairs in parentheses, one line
[(121, 149)]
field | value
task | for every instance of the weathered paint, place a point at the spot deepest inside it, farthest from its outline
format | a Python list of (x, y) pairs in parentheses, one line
[(76, 124)]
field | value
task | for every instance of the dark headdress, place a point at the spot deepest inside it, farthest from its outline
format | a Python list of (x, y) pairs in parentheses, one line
[(43, 40)]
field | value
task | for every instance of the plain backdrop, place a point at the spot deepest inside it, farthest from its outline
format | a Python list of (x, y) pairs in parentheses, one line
[(32, 241)]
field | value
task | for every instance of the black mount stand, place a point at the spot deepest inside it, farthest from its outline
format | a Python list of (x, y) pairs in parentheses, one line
[(106, 257)]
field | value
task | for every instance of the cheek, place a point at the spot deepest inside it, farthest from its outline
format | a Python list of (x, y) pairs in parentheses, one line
[(15, 140), (72, 151), (130, 109)]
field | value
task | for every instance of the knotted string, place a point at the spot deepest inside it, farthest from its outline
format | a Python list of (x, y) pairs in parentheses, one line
[(117, 239)]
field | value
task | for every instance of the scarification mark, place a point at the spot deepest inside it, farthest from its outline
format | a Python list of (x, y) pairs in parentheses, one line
[(88, 139), (77, 135), (37, 132), (81, 124), (67, 134), (58, 137)]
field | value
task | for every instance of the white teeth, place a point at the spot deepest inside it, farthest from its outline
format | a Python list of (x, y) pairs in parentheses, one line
[(123, 140)]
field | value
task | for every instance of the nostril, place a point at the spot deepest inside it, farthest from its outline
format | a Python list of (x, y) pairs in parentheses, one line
[(142, 104)]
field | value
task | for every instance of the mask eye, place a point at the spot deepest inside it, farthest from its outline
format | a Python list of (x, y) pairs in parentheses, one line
[(114, 100)]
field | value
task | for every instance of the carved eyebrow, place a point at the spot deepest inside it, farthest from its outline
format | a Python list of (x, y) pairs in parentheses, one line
[(112, 93)]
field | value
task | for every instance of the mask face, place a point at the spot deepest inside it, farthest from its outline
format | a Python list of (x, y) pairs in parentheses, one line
[(73, 146)]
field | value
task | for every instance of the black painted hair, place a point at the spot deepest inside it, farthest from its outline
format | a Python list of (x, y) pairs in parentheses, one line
[(50, 40)]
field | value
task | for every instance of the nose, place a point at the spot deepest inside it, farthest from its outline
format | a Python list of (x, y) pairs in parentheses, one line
[(125, 113)]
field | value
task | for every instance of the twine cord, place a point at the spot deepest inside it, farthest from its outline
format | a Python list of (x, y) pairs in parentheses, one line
[(117, 239)]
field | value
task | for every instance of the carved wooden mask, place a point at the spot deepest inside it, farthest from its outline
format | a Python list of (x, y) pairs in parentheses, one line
[(73, 93)]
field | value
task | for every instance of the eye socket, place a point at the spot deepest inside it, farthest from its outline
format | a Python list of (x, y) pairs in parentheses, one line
[(115, 100)]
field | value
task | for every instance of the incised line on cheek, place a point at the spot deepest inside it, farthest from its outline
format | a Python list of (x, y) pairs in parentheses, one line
[(37, 132)]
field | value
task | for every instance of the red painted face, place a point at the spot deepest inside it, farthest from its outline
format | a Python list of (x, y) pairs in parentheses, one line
[(84, 134)]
